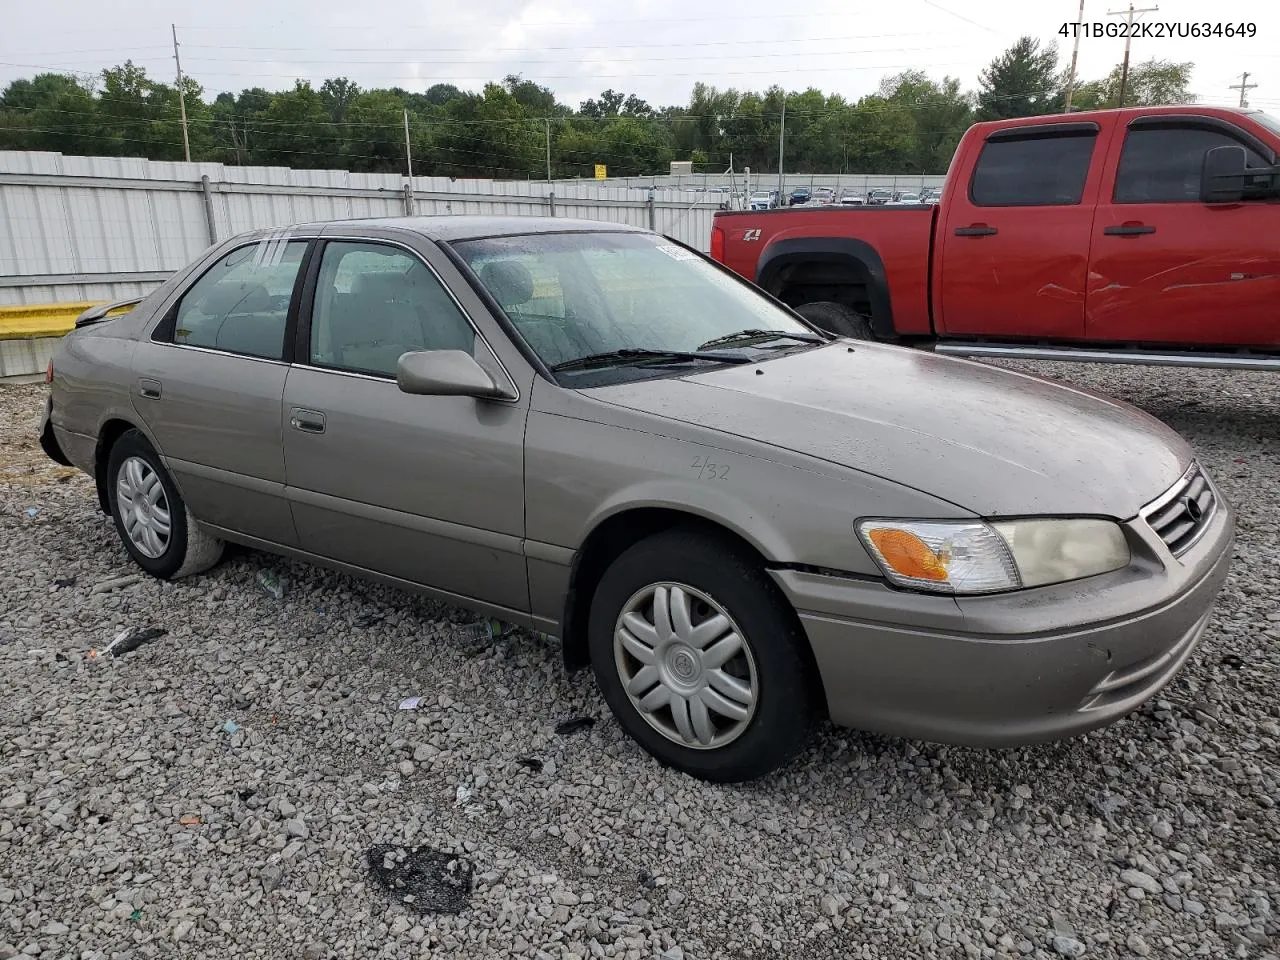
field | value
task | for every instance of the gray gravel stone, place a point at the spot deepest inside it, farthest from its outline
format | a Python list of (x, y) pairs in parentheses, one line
[(921, 850)]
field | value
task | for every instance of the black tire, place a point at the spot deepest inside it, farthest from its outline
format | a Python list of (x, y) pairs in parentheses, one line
[(837, 318), (787, 692), (189, 549)]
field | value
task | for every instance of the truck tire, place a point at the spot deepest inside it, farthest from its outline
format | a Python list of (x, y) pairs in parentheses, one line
[(837, 318)]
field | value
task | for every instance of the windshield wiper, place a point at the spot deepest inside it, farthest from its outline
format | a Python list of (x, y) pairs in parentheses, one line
[(638, 354), (746, 336)]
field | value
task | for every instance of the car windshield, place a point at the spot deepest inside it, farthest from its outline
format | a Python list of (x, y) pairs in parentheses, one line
[(575, 295)]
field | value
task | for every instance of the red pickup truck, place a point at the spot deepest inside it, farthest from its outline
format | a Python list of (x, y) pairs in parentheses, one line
[(1145, 235)]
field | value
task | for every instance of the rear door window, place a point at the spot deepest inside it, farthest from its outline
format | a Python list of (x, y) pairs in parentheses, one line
[(241, 303), (1034, 171)]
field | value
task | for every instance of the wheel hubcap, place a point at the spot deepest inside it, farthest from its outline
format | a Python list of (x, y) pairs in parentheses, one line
[(686, 666), (143, 506)]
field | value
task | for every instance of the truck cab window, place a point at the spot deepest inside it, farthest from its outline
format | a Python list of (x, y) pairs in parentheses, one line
[(1032, 171), (1162, 164)]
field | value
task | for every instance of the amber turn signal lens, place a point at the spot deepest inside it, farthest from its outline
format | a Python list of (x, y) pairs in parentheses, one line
[(908, 555)]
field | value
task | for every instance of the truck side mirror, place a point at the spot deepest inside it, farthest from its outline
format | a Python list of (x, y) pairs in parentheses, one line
[(1222, 175)]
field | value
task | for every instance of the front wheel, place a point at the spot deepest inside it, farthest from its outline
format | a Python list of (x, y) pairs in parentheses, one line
[(150, 515), (700, 659), (837, 318)]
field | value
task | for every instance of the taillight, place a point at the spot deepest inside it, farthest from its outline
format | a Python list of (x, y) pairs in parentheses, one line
[(717, 244), (48, 373)]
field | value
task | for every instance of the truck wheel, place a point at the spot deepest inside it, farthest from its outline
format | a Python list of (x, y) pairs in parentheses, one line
[(837, 318)]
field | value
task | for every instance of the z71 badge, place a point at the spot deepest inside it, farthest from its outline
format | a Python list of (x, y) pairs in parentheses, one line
[(750, 235)]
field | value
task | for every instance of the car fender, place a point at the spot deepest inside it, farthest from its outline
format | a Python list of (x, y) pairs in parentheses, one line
[(839, 250)]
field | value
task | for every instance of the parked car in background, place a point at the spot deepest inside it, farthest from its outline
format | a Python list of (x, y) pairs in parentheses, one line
[(879, 196), (904, 198), (930, 195), (851, 197), (737, 520), (824, 195), (764, 200), (800, 195), (1142, 235)]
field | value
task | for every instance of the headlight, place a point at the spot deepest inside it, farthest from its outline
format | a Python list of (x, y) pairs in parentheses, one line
[(977, 557)]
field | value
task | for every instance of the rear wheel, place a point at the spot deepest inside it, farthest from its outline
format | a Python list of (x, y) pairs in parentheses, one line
[(150, 515), (700, 659), (837, 318)]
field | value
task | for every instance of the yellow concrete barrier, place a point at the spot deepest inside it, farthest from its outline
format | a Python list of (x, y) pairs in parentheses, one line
[(32, 320)]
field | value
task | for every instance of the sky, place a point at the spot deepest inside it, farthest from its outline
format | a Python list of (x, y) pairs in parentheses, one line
[(654, 48)]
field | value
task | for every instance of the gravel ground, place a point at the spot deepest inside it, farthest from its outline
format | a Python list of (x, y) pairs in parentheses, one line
[(136, 821)]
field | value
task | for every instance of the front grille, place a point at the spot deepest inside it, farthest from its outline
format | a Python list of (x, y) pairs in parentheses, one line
[(1182, 513)]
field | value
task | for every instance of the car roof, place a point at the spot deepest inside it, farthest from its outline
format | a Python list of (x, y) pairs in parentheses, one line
[(452, 227)]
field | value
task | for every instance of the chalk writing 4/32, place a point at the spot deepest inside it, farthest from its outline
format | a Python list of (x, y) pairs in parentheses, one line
[(708, 469)]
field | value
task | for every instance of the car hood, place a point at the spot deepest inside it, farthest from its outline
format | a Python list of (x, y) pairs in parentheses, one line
[(992, 441)]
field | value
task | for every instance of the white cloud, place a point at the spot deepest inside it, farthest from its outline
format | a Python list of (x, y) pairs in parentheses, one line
[(655, 48)]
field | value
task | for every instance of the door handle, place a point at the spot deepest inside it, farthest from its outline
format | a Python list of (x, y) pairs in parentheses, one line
[(308, 421), (149, 388), (976, 230), (1128, 230)]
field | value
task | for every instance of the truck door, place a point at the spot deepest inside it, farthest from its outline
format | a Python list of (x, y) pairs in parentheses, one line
[(1167, 268), (1015, 244)]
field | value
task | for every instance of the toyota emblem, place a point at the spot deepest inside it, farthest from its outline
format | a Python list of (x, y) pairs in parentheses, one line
[(1193, 510)]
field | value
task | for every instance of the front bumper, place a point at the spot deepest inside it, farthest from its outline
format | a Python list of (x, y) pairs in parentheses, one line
[(1014, 668)]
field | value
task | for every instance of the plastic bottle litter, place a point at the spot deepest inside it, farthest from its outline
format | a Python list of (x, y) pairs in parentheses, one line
[(480, 630), (410, 703), (32, 512), (230, 726), (271, 584)]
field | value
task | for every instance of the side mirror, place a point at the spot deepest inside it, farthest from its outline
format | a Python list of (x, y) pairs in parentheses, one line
[(1222, 175), (447, 373)]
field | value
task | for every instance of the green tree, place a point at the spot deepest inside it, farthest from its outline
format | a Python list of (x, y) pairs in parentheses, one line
[(940, 113), (295, 131), (1153, 83), (373, 135), (1021, 82), (337, 96), (490, 135), (50, 112)]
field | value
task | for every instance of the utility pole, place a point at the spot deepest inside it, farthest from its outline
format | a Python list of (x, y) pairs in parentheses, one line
[(182, 97), (408, 150), (1244, 86), (1075, 53), (782, 138), (1124, 69), (547, 121)]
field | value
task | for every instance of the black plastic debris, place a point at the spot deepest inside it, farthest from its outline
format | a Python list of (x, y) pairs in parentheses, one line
[(533, 763), (137, 639), (127, 641), (368, 619), (574, 725), (647, 880), (63, 584), (1231, 660), (428, 880)]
